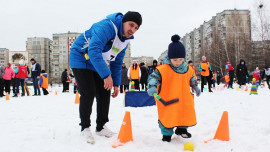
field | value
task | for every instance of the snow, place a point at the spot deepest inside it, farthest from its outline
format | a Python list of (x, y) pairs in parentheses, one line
[(51, 124)]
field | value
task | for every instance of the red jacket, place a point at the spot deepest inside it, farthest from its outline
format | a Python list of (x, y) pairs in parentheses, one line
[(22, 72)]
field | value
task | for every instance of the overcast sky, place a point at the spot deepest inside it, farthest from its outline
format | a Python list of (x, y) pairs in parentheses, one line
[(20, 19)]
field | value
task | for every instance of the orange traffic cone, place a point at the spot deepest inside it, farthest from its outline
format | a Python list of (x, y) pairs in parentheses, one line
[(246, 88), (55, 92), (77, 98), (125, 134), (7, 96), (222, 132)]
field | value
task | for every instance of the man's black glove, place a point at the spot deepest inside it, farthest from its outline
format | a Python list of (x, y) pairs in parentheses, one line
[(203, 70)]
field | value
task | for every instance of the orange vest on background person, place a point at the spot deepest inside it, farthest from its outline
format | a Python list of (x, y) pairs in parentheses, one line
[(205, 66), (181, 113), (134, 73), (44, 82), (227, 78)]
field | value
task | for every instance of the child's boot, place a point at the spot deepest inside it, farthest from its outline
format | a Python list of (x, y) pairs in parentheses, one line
[(182, 132), (167, 138)]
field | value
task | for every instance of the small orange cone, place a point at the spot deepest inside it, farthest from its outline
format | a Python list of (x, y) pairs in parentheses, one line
[(7, 96), (77, 98), (125, 134), (246, 88), (55, 92), (222, 132)]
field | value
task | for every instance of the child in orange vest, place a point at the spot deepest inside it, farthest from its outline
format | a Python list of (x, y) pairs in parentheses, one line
[(43, 82), (227, 80), (175, 101)]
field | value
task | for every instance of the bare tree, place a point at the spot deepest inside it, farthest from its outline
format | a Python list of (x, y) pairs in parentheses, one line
[(261, 27)]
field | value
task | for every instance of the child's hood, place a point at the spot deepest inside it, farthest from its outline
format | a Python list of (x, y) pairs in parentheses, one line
[(45, 75)]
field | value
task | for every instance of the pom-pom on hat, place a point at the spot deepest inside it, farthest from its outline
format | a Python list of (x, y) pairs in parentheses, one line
[(176, 49), (133, 16)]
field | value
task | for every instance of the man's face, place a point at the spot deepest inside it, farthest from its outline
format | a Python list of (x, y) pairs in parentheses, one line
[(190, 64), (32, 62), (129, 28)]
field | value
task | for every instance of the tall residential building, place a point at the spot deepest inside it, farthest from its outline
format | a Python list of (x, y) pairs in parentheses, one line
[(226, 36), (148, 61), (59, 60), (3, 56), (39, 48)]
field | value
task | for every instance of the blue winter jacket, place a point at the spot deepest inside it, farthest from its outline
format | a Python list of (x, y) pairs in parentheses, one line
[(100, 35)]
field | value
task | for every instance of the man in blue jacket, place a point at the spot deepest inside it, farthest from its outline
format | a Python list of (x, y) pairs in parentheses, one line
[(96, 59)]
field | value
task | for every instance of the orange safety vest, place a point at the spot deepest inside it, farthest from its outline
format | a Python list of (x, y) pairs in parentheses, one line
[(45, 82), (227, 78), (175, 85), (205, 66), (134, 73)]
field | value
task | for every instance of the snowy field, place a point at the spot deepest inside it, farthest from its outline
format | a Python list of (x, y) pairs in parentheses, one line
[(51, 124)]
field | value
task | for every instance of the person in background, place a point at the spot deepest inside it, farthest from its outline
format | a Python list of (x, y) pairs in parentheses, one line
[(241, 73), (257, 76), (21, 75), (204, 68), (124, 79), (218, 77), (230, 69), (153, 67), (134, 74), (43, 82), (190, 63), (214, 79), (144, 76), (266, 73), (35, 74), (2, 72), (9, 74), (64, 79)]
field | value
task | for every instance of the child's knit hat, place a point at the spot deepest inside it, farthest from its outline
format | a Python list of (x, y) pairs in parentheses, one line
[(176, 49)]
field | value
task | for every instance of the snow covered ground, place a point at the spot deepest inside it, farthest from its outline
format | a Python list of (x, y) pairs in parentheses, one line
[(51, 124)]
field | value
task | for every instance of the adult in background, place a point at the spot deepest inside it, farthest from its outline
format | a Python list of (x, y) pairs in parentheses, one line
[(134, 74), (266, 73), (2, 72), (230, 69), (64, 79), (21, 75), (104, 43), (204, 68), (35, 74), (218, 77), (9, 74), (241, 73), (124, 79), (190, 63), (144, 76), (153, 67)]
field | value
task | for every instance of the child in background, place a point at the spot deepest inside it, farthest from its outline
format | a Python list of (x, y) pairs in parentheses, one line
[(174, 89), (257, 76), (227, 80), (43, 82)]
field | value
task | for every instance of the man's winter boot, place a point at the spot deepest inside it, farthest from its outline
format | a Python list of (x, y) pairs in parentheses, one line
[(166, 138)]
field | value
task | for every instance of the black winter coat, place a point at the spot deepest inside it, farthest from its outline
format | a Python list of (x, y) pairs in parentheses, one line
[(144, 74), (241, 72), (124, 78)]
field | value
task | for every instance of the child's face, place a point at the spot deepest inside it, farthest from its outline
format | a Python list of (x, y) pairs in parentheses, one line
[(177, 61)]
